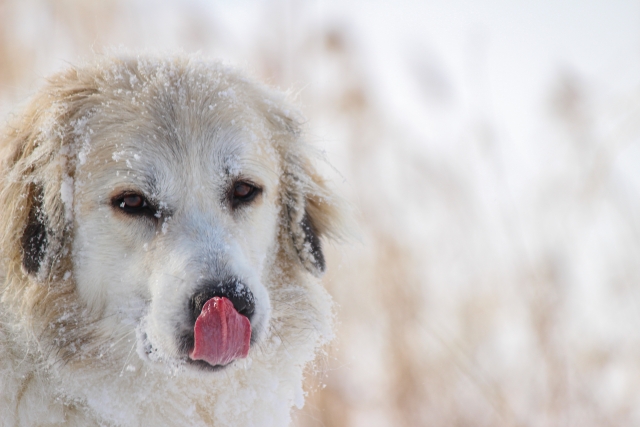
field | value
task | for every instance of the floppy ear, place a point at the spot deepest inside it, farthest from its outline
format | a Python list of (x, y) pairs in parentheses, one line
[(38, 163), (32, 215), (312, 212)]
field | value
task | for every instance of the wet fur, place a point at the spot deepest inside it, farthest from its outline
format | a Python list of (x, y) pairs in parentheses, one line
[(68, 360)]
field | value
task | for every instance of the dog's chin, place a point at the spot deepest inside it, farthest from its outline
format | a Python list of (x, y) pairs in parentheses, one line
[(156, 358), (201, 365)]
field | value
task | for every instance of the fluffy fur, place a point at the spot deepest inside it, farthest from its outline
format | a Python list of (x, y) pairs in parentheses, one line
[(94, 299)]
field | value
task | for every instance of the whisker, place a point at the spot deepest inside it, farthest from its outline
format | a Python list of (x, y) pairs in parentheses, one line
[(126, 361)]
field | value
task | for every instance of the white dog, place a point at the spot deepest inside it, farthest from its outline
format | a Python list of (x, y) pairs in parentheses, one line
[(159, 234)]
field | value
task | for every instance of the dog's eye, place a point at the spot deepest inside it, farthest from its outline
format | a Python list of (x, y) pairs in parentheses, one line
[(133, 204), (243, 192)]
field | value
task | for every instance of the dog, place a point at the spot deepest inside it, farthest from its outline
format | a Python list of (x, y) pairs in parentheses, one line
[(161, 221)]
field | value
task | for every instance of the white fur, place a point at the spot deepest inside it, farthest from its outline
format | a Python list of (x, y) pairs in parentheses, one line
[(103, 349)]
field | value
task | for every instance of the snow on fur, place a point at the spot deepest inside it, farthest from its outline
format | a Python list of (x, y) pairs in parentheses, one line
[(88, 326)]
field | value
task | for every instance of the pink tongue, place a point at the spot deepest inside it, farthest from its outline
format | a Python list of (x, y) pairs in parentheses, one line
[(221, 334)]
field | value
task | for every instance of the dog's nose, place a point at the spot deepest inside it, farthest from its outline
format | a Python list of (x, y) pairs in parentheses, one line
[(232, 289)]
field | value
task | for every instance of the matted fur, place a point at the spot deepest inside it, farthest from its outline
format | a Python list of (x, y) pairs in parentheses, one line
[(68, 356)]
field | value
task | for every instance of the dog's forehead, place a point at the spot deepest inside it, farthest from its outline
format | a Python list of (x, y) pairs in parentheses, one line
[(198, 130)]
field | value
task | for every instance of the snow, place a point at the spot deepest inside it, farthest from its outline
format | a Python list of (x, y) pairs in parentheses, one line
[(66, 195)]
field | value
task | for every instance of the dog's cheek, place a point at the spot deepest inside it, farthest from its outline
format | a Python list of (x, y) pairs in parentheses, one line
[(259, 239), (103, 265)]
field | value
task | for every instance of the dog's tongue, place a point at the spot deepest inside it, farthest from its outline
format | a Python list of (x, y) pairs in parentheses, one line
[(221, 334)]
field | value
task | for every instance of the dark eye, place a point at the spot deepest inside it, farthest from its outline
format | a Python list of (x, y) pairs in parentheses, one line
[(133, 204), (242, 193)]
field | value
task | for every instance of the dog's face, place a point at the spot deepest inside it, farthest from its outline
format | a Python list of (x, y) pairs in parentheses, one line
[(167, 220), (173, 188)]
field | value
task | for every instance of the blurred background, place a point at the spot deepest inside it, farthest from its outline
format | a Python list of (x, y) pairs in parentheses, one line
[(491, 152)]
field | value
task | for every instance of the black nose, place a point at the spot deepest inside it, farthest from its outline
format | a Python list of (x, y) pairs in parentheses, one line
[(232, 289)]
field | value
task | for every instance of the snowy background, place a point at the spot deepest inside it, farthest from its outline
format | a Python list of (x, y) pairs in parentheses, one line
[(491, 152)]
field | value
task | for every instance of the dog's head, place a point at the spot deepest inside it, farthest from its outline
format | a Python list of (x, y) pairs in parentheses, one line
[(172, 198)]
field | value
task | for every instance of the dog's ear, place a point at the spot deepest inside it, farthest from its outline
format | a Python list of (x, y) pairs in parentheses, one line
[(38, 167), (313, 211), (34, 237)]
